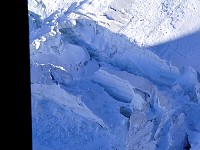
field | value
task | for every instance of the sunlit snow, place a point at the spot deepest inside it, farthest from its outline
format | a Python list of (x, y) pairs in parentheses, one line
[(115, 75)]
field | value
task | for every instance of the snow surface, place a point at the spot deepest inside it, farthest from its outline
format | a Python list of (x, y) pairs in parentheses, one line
[(115, 75)]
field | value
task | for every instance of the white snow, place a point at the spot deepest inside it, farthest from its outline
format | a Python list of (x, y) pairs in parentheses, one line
[(115, 75)]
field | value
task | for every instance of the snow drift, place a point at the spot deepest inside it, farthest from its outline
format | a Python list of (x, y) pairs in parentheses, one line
[(115, 74)]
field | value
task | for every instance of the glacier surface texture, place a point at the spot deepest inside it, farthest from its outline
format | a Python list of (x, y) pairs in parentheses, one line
[(115, 74)]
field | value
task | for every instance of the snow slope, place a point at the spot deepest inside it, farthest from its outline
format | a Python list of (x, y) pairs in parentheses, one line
[(115, 74)]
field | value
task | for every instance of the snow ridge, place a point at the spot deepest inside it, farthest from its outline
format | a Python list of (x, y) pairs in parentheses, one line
[(99, 82)]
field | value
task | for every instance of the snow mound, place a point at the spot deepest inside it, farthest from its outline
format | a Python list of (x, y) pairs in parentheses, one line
[(113, 74)]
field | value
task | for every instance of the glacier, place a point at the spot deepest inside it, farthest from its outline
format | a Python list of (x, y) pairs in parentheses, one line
[(115, 75)]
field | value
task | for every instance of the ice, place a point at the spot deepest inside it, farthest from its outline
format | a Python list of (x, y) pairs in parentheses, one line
[(115, 75)]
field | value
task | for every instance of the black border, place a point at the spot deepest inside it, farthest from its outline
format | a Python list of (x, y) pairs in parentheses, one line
[(20, 117)]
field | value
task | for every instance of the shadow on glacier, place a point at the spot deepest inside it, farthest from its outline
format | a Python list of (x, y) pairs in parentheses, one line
[(183, 51), (116, 49)]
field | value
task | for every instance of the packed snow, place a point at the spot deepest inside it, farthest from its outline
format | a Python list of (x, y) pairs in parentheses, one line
[(115, 75)]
